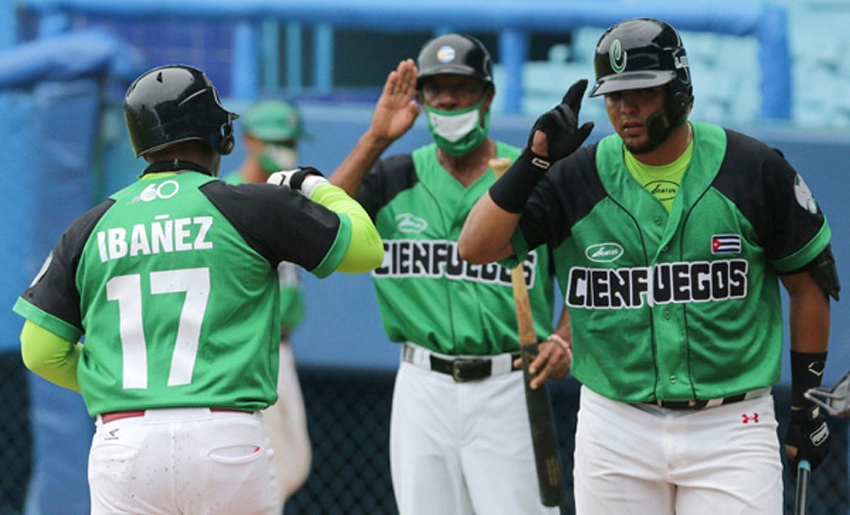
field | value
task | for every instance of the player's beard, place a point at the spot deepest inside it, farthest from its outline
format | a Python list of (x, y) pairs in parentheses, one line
[(642, 148)]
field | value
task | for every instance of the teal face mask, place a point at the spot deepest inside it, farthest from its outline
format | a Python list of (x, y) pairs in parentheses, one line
[(275, 157), (459, 132)]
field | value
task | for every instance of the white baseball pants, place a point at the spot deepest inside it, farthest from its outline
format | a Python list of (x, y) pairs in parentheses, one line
[(189, 461), (462, 448), (639, 459)]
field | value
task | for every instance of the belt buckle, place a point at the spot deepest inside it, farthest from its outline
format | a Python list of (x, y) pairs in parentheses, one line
[(458, 366)]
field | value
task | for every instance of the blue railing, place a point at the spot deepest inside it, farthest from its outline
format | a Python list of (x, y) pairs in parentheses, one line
[(513, 21)]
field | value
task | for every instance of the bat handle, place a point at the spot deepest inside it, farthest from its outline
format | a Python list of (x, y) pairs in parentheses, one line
[(803, 470)]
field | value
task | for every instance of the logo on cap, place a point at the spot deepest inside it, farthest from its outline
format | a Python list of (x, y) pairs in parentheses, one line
[(618, 57), (446, 54)]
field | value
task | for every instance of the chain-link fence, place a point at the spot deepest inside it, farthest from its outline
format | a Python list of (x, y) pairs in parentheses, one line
[(14, 433), (348, 417)]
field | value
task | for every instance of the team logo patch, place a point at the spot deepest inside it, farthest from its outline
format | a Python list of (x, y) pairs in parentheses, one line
[(409, 223), (617, 56), (725, 244), (604, 252), (663, 189), (43, 269), (163, 190), (804, 195), (446, 54)]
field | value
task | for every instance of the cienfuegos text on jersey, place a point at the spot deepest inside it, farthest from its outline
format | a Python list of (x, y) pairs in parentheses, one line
[(160, 236), (436, 258), (698, 281)]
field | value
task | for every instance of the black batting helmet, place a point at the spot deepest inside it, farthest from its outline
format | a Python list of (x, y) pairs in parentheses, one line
[(645, 53), (457, 54), (176, 103)]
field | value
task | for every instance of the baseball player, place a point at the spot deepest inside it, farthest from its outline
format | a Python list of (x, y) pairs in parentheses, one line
[(271, 130), (459, 436), (173, 281), (671, 238)]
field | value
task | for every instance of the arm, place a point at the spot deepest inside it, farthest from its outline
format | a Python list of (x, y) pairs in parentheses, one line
[(365, 250), (809, 319), (394, 115), (50, 356), (809, 313), (486, 235)]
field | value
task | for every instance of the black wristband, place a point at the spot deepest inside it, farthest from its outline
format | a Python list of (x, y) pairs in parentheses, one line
[(513, 189), (806, 372)]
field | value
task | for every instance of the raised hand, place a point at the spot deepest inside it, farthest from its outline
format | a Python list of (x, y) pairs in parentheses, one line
[(396, 110), (556, 133)]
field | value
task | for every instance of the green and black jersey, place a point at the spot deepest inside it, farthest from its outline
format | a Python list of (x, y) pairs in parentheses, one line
[(426, 293), (291, 296), (150, 277), (677, 305)]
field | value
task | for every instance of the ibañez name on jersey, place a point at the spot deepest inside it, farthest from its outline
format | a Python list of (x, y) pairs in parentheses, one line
[(699, 281), (438, 258), (160, 236)]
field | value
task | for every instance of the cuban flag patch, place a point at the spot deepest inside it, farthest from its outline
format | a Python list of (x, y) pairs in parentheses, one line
[(725, 244)]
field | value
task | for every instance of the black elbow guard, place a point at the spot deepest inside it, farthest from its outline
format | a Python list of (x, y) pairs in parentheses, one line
[(824, 272)]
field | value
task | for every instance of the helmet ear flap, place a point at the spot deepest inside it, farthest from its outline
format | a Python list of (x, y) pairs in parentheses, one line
[(226, 140), (677, 107), (674, 113)]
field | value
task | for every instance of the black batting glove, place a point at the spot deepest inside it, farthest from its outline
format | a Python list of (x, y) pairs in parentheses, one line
[(809, 433), (560, 125)]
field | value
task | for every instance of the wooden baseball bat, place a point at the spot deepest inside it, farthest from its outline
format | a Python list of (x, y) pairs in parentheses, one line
[(544, 436), (803, 470)]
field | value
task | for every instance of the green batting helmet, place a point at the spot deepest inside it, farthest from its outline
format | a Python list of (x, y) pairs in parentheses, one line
[(274, 120)]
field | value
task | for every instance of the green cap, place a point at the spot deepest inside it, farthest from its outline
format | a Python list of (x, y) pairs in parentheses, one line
[(274, 120)]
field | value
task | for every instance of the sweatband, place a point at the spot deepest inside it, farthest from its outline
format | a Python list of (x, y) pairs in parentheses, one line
[(512, 190), (806, 372)]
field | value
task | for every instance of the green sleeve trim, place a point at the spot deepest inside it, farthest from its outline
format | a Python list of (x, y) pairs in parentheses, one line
[(807, 254), (53, 324), (50, 356), (337, 251)]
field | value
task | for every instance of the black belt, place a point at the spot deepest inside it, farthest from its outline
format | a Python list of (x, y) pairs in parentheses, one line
[(461, 369), (696, 404)]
